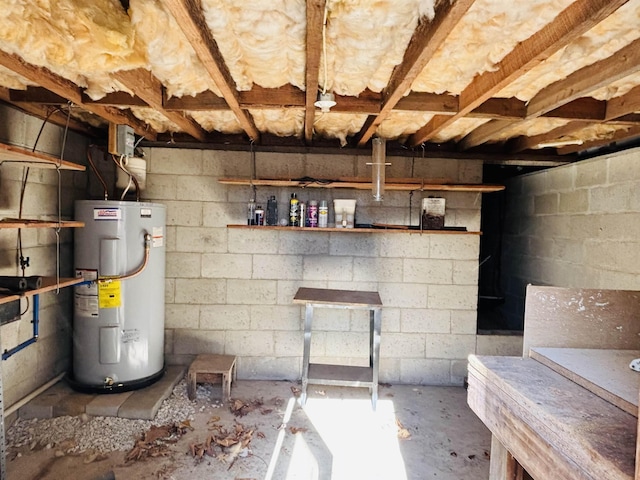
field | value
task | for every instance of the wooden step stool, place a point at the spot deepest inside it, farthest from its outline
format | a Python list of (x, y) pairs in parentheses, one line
[(206, 368)]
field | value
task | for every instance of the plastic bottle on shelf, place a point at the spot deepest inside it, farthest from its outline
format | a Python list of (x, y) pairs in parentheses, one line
[(323, 214), (294, 212), (251, 212), (313, 213), (272, 211)]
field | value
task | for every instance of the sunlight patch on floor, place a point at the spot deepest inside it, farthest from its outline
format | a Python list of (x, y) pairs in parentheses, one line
[(362, 443)]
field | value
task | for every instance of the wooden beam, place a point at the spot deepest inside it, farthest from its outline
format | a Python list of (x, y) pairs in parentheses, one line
[(586, 108), (147, 87), (116, 99), (523, 143), (204, 101), (265, 98), (624, 62), (428, 102), (69, 90), (587, 79), (190, 18), (424, 43), (624, 104), (315, 25), (572, 22), (620, 135), (43, 111)]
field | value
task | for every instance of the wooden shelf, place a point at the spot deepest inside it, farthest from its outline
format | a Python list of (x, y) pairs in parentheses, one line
[(25, 223), (398, 229), (24, 156), (403, 184), (48, 284)]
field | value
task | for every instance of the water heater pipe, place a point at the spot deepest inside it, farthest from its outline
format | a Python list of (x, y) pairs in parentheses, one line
[(34, 338), (139, 270)]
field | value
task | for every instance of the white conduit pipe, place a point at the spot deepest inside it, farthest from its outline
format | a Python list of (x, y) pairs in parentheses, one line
[(33, 394)]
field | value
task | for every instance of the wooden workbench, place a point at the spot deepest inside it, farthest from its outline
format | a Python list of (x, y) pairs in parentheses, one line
[(568, 408), (553, 427)]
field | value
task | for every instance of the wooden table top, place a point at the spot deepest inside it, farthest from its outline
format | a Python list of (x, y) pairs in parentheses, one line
[(337, 297)]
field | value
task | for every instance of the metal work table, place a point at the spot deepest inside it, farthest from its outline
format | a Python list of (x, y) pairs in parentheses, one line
[(341, 375)]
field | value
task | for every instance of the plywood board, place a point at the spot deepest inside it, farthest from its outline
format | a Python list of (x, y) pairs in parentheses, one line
[(603, 372), (581, 318)]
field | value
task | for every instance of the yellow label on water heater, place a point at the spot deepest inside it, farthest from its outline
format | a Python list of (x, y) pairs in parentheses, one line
[(109, 293)]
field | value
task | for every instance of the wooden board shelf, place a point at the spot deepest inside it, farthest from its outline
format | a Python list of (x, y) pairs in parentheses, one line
[(391, 184), (23, 156), (400, 229), (26, 223), (48, 284)]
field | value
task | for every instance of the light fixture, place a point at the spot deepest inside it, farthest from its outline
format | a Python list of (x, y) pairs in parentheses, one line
[(378, 167), (325, 101)]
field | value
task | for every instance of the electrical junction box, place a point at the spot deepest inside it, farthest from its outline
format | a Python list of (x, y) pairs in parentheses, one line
[(121, 140)]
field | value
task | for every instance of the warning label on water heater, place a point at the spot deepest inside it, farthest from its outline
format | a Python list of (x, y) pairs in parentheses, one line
[(109, 294), (107, 214)]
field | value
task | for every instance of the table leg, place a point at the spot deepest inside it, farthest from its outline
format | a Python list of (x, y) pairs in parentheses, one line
[(502, 465), (308, 317), (375, 327)]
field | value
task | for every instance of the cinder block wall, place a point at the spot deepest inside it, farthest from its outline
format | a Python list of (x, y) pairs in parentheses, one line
[(230, 290), (573, 226), (50, 355)]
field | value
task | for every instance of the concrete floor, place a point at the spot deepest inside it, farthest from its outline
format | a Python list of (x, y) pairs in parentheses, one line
[(335, 436)]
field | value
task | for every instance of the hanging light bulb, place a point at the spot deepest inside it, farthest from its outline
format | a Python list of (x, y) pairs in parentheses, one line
[(378, 166)]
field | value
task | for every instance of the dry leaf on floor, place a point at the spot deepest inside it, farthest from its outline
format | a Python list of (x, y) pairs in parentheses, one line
[(260, 435), (321, 392), (154, 442), (277, 401), (295, 430), (94, 457), (296, 391), (403, 433), (453, 454), (241, 408)]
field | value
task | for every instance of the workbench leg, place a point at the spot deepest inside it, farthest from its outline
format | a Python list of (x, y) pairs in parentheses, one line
[(308, 318), (502, 465), (374, 360)]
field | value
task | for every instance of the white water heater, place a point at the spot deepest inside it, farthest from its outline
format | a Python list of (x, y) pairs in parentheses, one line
[(118, 323)]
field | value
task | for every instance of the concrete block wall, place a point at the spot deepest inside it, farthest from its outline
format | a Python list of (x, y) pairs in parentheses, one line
[(50, 355), (573, 226), (230, 290)]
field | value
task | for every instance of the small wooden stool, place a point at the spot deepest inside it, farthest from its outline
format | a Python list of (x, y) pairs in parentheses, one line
[(206, 368)]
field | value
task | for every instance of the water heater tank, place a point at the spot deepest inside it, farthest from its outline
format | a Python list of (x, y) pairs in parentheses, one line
[(118, 324)]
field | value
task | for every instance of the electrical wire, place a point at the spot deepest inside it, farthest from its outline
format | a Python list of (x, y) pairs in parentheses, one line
[(58, 228), (97, 173), (20, 260), (324, 47)]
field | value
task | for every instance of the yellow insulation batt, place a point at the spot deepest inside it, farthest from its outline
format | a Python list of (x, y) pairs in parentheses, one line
[(489, 31), (338, 125), (262, 41), (172, 58), (530, 128), (10, 79), (223, 121), (616, 31), (283, 123), (459, 129), (156, 121), (399, 125), (366, 40), (77, 39), (603, 131)]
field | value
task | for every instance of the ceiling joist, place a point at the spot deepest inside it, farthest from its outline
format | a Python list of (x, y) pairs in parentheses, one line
[(190, 18), (70, 91), (572, 22), (315, 25), (583, 81), (425, 41)]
